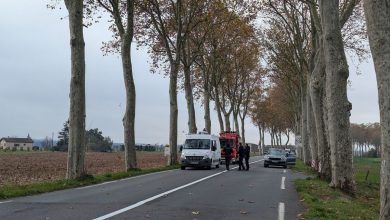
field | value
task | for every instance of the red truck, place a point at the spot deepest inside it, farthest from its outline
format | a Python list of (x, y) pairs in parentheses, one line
[(231, 138)]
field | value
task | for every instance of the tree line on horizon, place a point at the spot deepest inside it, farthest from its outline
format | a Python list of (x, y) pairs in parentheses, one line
[(283, 58)]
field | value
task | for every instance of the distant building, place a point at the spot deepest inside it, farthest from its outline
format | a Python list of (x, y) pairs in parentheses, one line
[(10, 143)]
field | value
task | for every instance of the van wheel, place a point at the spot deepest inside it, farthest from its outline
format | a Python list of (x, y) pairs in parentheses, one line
[(183, 167), (217, 166)]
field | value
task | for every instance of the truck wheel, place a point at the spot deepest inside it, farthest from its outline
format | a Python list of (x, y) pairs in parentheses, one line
[(183, 167)]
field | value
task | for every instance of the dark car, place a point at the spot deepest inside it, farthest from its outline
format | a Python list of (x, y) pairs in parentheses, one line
[(291, 158), (275, 157)]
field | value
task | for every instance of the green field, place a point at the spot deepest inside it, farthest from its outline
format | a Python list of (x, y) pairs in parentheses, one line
[(324, 202)]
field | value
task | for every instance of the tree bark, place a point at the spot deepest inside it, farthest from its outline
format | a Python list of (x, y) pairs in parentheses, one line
[(237, 126), (338, 105), (190, 100), (129, 117), (378, 27), (262, 138), (317, 91), (76, 147), (304, 135), (219, 111), (206, 105), (260, 144), (227, 121), (173, 114), (243, 131), (312, 132)]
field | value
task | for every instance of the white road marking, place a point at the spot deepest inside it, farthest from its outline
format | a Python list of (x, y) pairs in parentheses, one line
[(284, 171), (6, 201), (281, 211), (282, 184), (112, 214)]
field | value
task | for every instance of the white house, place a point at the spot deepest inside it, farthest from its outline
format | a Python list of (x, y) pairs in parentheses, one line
[(16, 143)]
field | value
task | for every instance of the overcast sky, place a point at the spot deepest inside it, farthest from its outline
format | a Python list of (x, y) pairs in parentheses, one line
[(35, 77)]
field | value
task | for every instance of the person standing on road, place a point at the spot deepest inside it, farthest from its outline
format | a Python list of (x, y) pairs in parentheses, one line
[(247, 155), (228, 152), (241, 154)]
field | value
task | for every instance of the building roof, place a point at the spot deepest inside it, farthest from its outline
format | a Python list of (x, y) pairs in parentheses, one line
[(18, 140)]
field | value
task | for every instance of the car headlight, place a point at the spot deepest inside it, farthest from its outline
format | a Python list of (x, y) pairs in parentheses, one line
[(284, 158), (206, 156), (266, 157), (183, 156)]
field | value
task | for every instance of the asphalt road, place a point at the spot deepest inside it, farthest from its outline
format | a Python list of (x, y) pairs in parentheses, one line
[(260, 193)]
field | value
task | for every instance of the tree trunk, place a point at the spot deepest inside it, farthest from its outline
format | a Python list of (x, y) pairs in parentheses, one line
[(260, 144), (288, 137), (304, 135), (312, 134), (173, 114), (237, 126), (129, 117), (243, 131), (338, 105), (190, 100), (317, 92), (227, 122), (219, 111), (378, 25), (76, 146), (206, 105), (262, 139)]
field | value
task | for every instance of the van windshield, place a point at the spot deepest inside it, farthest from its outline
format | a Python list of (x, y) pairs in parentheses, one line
[(197, 144)]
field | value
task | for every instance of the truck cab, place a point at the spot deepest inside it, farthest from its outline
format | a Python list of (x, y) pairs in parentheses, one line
[(201, 150), (233, 139)]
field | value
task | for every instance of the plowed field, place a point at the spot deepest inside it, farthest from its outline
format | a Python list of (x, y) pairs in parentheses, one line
[(30, 167)]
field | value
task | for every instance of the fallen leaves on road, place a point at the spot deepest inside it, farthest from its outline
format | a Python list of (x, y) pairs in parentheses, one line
[(241, 200), (195, 212), (251, 202), (244, 212)]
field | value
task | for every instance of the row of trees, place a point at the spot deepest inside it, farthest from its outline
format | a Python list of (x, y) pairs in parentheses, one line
[(213, 50), (210, 49), (305, 45), (365, 137), (307, 73)]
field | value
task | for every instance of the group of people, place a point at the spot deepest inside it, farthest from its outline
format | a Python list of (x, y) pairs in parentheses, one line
[(243, 153)]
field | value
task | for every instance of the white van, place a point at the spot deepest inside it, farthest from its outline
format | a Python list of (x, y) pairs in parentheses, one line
[(200, 150)]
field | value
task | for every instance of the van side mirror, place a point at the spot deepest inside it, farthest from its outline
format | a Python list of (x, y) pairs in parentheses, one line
[(181, 148), (213, 148)]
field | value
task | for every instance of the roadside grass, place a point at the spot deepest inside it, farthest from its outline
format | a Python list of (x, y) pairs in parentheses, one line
[(10, 191), (324, 202)]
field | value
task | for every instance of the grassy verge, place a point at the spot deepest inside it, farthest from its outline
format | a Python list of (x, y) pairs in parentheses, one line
[(9, 191), (324, 202)]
